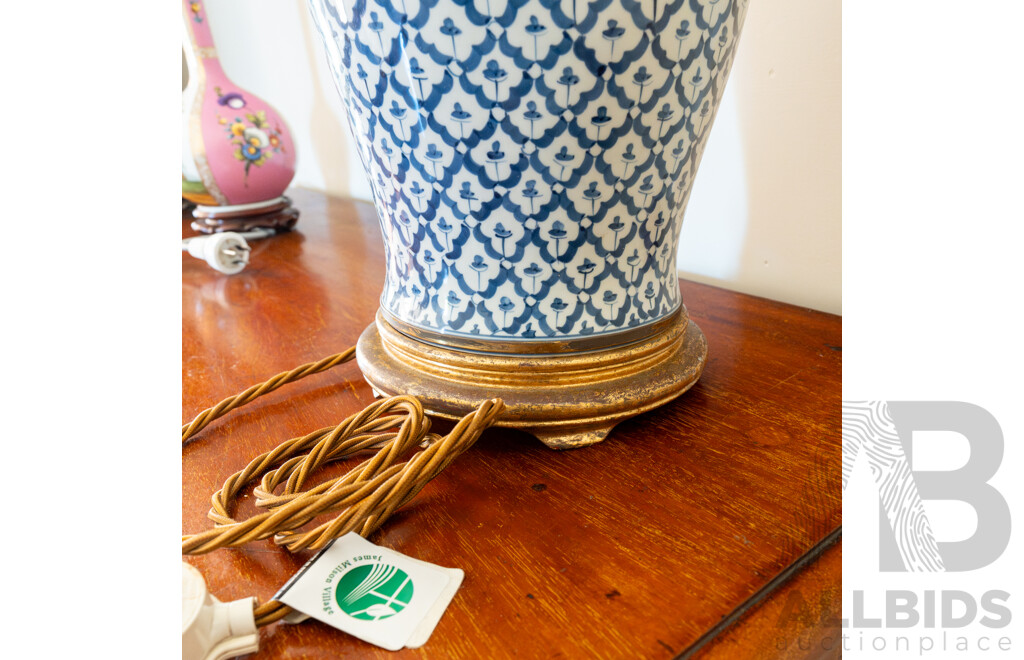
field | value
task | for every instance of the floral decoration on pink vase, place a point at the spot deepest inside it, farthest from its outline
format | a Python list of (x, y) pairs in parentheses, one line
[(237, 152)]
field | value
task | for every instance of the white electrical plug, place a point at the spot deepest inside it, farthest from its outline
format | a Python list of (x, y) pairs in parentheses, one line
[(210, 629), (226, 252)]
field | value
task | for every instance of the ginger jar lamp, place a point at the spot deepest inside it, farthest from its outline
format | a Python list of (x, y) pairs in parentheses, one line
[(530, 164)]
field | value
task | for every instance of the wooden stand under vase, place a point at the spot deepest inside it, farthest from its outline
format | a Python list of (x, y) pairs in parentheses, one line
[(276, 214)]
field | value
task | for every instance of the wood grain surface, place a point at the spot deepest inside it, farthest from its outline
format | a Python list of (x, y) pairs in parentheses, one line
[(798, 621), (635, 547)]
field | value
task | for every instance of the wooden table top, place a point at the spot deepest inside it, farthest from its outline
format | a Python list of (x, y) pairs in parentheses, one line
[(687, 532)]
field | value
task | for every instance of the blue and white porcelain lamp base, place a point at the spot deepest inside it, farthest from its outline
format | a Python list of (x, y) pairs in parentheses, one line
[(530, 162)]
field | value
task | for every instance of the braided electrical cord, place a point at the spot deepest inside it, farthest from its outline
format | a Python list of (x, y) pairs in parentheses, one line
[(363, 498), (258, 390)]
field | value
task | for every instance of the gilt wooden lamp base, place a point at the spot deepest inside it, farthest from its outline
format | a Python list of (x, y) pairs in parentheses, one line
[(566, 400)]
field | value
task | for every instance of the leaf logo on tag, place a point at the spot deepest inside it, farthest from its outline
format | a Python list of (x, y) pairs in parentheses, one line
[(372, 592)]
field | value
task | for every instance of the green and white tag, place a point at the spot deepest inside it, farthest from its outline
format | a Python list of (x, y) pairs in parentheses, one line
[(381, 596)]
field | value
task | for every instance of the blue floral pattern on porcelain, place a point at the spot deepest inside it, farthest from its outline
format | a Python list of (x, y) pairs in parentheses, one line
[(530, 161)]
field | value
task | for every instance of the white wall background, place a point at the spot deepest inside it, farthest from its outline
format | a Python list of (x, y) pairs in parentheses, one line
[(765, 212)]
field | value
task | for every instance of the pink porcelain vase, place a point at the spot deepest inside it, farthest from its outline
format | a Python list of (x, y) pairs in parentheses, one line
[(236, 149)]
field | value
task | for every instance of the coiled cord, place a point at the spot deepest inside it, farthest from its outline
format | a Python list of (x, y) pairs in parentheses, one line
[(363, 498)]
